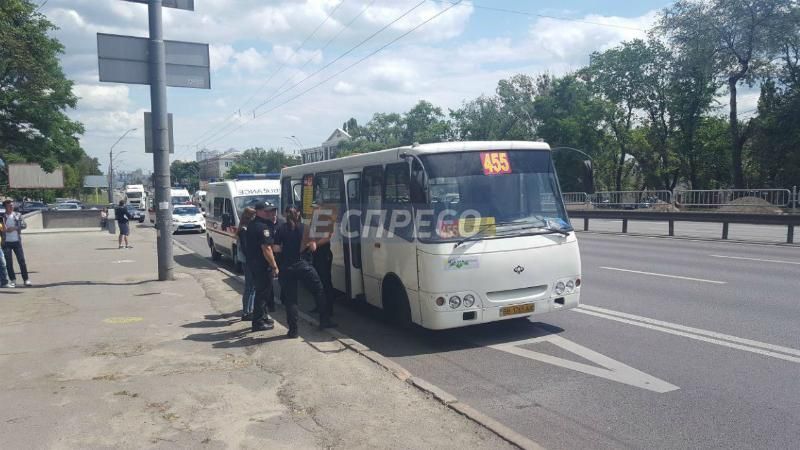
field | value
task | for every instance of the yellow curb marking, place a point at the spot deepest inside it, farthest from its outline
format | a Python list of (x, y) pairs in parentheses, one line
[(119, 320)]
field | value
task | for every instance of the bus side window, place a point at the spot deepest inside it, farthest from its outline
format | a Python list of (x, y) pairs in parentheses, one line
[(397, 199), (371, 193)]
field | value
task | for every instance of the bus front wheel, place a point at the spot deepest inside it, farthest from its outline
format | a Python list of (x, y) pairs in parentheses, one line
[(215, 255), (396, 308)]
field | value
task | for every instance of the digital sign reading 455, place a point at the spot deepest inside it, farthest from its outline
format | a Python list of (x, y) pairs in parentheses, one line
[(495, 163)]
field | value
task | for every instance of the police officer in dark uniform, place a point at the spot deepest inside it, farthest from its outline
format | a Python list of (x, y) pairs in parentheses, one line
[(260, 237), (323, 260), (296, 268)]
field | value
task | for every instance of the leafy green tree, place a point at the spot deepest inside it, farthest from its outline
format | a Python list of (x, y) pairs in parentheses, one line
[(34, 93), (744, 34), (186, 173), (424, 123), (259, 160)]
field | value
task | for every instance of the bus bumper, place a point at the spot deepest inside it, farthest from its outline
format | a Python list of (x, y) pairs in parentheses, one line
[(438, 318)]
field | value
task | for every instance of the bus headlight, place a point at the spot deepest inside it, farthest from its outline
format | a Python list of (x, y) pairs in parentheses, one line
[(570, 287), (469, 301), (455, 302), (560, 288)]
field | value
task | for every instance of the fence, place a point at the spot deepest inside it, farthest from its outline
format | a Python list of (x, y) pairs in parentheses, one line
[(780, 198), (575, 198), (689, 199)]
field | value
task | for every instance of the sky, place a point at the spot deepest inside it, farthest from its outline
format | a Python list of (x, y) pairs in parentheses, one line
[(269, 79)]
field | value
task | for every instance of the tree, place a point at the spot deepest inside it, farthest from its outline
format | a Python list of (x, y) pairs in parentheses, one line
[(186, 173), (34, 93), (424, 123), (259, 160), (744, 36)]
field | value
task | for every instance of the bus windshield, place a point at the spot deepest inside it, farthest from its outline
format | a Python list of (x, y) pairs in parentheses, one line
[(515, 189), (251, 200), (134, 194)]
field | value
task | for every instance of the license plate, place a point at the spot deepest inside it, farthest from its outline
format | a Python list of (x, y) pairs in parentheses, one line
[(517, 309)]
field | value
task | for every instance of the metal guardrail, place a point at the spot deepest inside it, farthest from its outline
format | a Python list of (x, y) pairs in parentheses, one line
[(788, 220), (715, 198), (575, 198), (630, 199), (688, 198)]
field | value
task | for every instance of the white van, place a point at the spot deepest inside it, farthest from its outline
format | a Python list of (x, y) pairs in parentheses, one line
[(179, 196), (225, 202)]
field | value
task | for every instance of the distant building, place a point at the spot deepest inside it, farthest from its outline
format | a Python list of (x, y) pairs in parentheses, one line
[(327, 150), (205, 154), (215, 167)]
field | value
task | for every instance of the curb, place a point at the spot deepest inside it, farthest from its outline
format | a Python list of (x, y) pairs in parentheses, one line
[(690, 238), (399, 372)]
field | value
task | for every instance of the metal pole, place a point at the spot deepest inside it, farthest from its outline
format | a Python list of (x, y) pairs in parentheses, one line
[(161, 176), (111, 175), (795, 199)]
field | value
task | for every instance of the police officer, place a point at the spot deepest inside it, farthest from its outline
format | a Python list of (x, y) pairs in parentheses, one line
[(296, 268), (260, 237)]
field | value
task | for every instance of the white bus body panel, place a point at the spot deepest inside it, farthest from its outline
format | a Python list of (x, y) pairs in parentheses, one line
[(499, 273)]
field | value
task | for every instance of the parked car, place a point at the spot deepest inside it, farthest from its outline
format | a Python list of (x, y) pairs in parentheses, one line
[(135, 213), (188, 218), (28, 207), (67, 207)]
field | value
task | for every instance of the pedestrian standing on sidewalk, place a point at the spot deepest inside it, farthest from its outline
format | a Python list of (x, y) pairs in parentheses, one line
[(13, 224), (123, 218), (259, 240), (3, 274), (241, 257), (296, 268)]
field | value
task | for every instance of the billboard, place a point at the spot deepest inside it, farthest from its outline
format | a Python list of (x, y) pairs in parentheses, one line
[(32, 176), (95, 181)]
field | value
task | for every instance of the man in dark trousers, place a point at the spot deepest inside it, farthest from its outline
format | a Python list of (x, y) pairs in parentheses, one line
[(260, 237), (13, 224), (123, 218), (296, 268)]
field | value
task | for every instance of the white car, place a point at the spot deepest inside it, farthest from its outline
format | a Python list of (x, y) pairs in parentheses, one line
[(188, 218), (67, 206)]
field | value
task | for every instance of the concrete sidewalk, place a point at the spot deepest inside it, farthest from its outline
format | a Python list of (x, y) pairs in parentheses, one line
[(98, 355)]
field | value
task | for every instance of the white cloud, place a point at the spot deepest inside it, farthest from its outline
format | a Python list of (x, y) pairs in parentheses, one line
[(250, 60), (288, 55), (102, 97), (220, 55), (343, 87)]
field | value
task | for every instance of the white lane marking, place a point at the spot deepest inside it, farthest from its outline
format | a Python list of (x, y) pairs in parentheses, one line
[(678, 277), (697, 337), (779, 261), (610, 369), (700, 331)]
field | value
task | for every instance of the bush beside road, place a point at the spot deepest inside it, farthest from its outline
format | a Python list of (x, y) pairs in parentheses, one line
[(99, 355)]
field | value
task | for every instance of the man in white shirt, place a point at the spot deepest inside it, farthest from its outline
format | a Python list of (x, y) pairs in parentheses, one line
[(13, 224)]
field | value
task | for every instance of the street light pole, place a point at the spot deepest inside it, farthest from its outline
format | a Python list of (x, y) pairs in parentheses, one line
[(111, 166)]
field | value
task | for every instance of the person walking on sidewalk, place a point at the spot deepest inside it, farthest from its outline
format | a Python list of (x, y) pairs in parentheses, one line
[(296, 268), (3, 274), (123, 218), (13, 224), (259, 239), (241, 257)]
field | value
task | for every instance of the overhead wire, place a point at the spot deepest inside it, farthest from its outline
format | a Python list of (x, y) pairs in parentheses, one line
[(225, 122), (351, 50), (359, 61)]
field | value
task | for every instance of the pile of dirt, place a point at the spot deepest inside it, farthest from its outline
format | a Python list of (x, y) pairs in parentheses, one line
[(662, 206), (750, 205)]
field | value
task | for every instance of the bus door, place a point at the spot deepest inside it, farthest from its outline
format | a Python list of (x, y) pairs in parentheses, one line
[(372, 251), (351, 236)]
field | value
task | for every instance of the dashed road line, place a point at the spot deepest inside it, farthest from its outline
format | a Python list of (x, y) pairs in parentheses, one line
[(743, 258), (664, 275)]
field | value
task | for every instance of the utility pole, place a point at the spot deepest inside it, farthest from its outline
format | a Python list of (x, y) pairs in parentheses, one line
[(161, 178), (159, 63), (111, 166)]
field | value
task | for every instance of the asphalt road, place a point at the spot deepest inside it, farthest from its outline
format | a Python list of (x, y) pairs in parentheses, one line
[(678, 344)]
